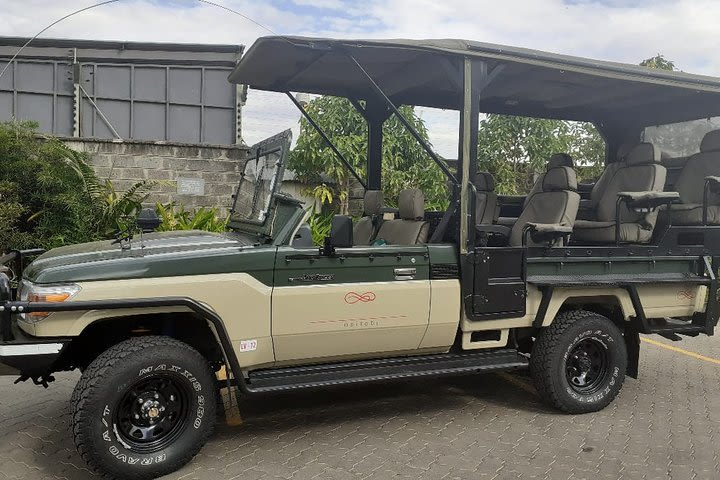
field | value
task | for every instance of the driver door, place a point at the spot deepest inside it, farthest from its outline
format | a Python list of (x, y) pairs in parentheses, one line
[(359, 303)]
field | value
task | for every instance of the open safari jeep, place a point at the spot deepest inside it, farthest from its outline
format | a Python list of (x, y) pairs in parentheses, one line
[(562, 280)]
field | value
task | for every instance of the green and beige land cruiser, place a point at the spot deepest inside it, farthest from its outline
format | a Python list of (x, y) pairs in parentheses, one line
[(561, 281)]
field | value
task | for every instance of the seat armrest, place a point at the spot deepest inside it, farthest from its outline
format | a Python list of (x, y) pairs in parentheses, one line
[(648, 200), (545, 232), (712, 184), (484, 232), (641, 202)]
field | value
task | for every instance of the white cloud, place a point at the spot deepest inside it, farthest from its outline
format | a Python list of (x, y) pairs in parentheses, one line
[(685, 31)]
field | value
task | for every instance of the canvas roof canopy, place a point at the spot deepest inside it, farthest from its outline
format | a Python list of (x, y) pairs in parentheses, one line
[(521, 81)]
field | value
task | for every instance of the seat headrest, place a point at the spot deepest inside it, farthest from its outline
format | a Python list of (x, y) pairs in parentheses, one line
[(484, 182), (560, 160), (373, 202), (711, 141), (559, 178), (624, 149), (411, 203), (643, 153)]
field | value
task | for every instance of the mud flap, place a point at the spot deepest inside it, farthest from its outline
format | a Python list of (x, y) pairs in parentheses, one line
[(632, 346), (229, 398)]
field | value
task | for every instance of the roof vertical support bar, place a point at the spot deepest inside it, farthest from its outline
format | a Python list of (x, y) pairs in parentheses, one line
[(330, 144), (381, 95), (474, 76), (375, 113)]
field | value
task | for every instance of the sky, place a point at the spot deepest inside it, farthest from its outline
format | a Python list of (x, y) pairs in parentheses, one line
[(685, 31)]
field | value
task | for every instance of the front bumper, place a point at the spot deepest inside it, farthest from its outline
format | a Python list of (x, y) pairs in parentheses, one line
[(28, 357), (20, 353)]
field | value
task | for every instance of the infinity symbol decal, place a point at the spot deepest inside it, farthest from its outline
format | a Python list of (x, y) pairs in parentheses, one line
[(352, 297)]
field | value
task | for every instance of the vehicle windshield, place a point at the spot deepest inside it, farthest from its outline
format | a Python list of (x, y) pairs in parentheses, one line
[(260, 179), (682, 139), (253, 194)]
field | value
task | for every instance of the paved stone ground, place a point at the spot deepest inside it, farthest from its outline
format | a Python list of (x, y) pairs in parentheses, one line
[(664, 425)]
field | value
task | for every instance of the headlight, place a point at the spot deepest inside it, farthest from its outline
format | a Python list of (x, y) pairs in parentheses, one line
[(30, 292)]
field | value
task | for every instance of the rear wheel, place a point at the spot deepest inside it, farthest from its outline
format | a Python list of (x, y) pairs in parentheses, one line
[(143, 408), (578, 363)]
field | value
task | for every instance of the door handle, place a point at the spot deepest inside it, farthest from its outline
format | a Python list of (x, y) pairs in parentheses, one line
[(405, 273)]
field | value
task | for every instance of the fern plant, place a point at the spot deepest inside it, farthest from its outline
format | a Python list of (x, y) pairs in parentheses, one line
[(117, 211), (175, 217)]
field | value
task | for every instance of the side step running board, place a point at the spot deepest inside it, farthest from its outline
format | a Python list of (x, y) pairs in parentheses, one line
[(670, 328), (293, 378)]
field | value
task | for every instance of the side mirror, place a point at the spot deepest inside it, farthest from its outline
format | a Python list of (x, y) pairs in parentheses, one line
[(148, 220), (341, 234)]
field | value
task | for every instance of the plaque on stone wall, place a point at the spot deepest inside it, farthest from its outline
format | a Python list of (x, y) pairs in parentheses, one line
[(191, 186)]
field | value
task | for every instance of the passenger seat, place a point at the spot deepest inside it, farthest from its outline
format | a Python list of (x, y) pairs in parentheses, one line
[(555, 160), (691, 185), (641, 172), (556, 204), (589, 207), (486, 204), (366, 228), (410, 228)]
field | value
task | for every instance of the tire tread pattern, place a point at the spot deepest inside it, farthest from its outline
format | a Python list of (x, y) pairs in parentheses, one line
[(545, 347), (99, 372)]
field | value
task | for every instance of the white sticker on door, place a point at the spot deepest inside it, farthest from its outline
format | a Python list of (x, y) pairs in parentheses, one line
[(248, 345)]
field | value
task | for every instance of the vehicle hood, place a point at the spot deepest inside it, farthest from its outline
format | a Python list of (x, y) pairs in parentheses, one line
[(152, 255)]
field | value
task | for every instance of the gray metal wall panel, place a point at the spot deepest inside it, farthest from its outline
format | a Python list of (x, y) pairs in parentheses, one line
[(113, 82), (36, 107), (216, 121), (34, 77), (184, 124), (185, 85), (6, 81), (149, 84), (215, 91), (149, 102), (118, 113), (63, 111), (149, 121), (87, 119), (6, 106)]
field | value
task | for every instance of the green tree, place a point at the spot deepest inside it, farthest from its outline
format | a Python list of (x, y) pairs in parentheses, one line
[(513, 149), (405, 164), (658, 61)]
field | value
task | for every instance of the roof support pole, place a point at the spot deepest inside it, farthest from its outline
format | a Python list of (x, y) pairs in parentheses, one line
[(474, 76), (381, 96), (327, 140)]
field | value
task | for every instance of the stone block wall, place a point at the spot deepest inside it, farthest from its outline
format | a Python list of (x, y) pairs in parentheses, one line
[(130, 161)]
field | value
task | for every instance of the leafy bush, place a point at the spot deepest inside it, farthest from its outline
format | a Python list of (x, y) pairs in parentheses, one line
[(50, 201), (177, 218), (50, 196)]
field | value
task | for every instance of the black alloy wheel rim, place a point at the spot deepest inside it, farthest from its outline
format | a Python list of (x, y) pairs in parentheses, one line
[(152, 412), (587, 366)]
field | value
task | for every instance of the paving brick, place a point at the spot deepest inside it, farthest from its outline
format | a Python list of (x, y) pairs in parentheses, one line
[(665, 425)]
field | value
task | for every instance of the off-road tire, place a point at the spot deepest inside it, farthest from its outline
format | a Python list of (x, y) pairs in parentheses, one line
[(96, 404), (551, 354)]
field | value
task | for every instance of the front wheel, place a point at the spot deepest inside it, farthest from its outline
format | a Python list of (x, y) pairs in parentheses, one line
[(143, 408), (578, 363)]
